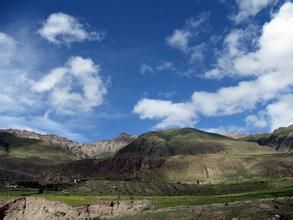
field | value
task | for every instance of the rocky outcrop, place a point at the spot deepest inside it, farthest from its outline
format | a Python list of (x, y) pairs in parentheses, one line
[(106, 148), (98, 149), (31, 208)]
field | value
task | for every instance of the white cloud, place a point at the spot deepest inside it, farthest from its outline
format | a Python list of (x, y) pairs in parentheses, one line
[(233, 48), (277, 114), (49, 81), (280, 113), (274, 48), (244, 96), (249, 8), (63, 28), (74, 87), (275, 45), (270, 65), (179, 39), (183, 39), (170, 114), (259, 121)]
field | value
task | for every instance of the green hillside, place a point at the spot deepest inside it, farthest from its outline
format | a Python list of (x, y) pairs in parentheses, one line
[(187, 141)]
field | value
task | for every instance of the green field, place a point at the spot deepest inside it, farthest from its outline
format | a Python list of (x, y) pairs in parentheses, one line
[(207, 194)]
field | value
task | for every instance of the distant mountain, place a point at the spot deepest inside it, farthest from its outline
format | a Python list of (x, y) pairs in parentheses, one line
[(80, 150), (281, 139), (235, 135)]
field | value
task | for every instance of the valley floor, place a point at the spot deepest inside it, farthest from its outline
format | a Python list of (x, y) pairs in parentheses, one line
[(258, 204)]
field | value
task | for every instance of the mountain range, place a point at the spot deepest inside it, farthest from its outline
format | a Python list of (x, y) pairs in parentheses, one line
[(176, 155)]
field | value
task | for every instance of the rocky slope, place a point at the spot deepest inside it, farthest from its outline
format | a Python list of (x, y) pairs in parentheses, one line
[(98, 149), (281, 139), (31, 208)]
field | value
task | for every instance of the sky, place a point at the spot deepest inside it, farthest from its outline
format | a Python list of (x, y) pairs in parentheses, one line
[(88, 70)]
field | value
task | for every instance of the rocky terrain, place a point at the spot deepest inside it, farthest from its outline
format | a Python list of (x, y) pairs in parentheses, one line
[(32, 208), (105, 148), (98, 149)]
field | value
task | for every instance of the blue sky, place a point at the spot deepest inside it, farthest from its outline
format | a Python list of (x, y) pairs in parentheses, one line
[(89, 70)]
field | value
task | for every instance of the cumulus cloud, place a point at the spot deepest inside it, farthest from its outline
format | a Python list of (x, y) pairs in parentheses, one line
[(63, 28), (275, 45), (270, 65), (76, 86), (249, 8), (24, 99), (280, 113), (171, 114)]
